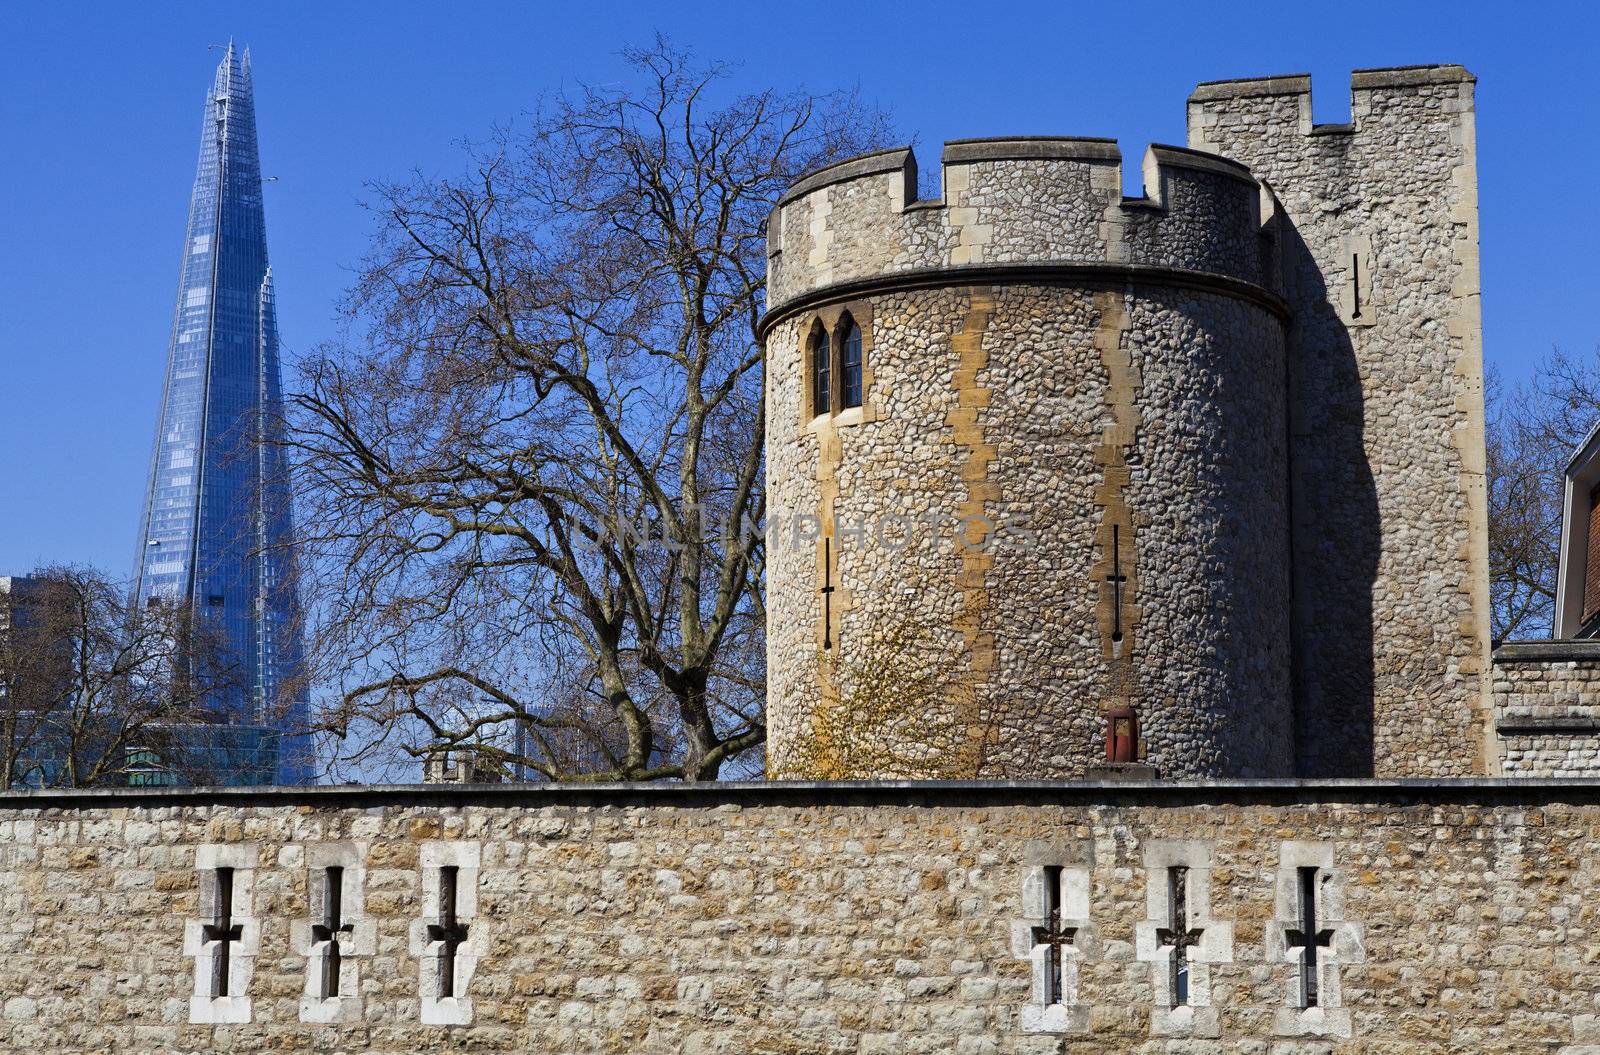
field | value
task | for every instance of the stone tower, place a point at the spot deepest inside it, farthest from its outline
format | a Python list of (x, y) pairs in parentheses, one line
[(1044, 480), (1039, 454), (1380, 268)]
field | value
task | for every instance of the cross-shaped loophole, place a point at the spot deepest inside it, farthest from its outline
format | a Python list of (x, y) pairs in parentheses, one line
[(1052, 935), (222, 932), (1177, 935), (449, 932), (1307, 938), (331, 927), (1117, 581), (827, 592)]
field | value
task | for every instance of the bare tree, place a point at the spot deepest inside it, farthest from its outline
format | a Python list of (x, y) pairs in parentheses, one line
[(532, 475), (92, 690), (1535, 426)]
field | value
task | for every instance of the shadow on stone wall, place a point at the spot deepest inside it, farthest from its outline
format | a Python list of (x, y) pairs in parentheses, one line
[(1336, 531)]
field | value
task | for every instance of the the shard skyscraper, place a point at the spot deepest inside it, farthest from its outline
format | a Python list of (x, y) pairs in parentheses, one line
[(217, 528)]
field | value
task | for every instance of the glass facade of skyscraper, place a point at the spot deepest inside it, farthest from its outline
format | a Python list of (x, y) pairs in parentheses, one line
[(217, 526)]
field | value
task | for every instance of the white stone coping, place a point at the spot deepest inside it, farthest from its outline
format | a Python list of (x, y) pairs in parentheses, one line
[(1570, 653), (1360, 80)]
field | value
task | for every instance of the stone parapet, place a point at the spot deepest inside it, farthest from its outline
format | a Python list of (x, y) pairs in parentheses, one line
[(1291, 94), (1009, 200)]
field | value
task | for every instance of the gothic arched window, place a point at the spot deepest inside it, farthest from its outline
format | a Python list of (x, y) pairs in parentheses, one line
[(821, 370), (850, 364)]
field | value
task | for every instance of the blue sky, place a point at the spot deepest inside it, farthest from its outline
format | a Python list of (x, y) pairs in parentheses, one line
[(100, 112)]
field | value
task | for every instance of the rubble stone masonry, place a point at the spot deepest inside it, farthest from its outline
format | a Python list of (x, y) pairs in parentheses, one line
[(1547, 708), (1378, 251), (1457, 916)]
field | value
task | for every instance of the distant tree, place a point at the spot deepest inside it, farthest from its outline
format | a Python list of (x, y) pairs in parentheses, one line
[(1534, 427), (92, 690), (530, 477)]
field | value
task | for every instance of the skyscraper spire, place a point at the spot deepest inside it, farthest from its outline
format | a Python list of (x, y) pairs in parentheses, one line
[(225, 71), (217, 530)]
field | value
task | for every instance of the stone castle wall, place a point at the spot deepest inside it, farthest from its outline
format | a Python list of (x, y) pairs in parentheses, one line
[(1380, 264), (1547, 708), (801, 919), (1025, 437)]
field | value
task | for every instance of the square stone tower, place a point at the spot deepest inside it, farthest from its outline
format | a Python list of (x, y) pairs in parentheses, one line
[(1378, 251)]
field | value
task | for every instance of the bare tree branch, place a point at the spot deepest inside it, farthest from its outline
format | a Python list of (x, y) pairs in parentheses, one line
[(532, 477), (1534, 429)]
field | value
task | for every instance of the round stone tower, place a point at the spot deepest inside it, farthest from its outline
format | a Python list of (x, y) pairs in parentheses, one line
[(1027, 480)]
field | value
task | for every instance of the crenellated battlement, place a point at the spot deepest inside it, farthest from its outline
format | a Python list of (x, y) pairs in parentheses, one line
[(1014, 201), (1284, 100)]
